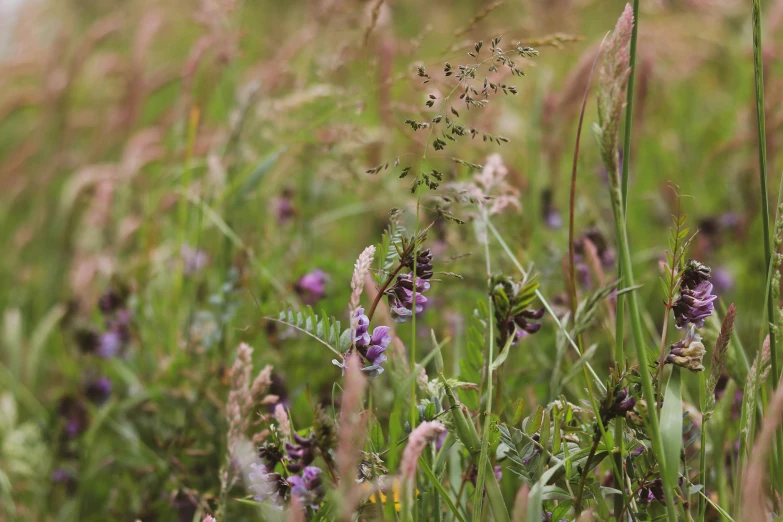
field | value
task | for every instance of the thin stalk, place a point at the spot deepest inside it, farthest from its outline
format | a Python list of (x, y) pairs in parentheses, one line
[(483, 457), (703, 446), (639, 344), (758, 70)]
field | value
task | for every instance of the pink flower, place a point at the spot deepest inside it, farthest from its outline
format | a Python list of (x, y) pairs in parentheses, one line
[(418, 440)]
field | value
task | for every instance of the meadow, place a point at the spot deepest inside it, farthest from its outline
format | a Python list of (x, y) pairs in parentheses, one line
[(407, 261)]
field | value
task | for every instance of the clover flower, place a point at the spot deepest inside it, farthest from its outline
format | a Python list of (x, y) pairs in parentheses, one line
[(687, 352), (401, 297)]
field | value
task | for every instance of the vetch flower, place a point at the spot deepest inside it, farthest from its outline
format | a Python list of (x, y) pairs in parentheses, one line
[(693, 305), (301, 454), (401, 297), (307, 488), (423, 264), (99, 390), (688, 352), (311, 286)]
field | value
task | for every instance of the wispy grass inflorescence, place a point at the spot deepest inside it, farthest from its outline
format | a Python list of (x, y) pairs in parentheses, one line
[(362, 266)]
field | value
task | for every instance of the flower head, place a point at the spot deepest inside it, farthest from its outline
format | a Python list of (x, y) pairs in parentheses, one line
[(688, 352), (694, 305), (401, 299), (311, 287), (99, 390)]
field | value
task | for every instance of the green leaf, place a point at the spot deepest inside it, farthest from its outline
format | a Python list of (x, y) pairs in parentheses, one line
[(671, 426)]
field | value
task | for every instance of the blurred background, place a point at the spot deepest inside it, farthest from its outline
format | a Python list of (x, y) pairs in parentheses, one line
[(170, 173)]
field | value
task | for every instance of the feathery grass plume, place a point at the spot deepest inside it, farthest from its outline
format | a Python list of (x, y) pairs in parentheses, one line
[(209, 518), (240, 399), (283, 421), (719, 355), (360, 269), (261, 383), (753, 505), (613, 78), (417, 441), (351, 434)]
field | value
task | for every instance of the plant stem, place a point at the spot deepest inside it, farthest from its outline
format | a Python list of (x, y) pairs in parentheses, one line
[(703, 447), (382, 289), (758, 69), (639, 344)]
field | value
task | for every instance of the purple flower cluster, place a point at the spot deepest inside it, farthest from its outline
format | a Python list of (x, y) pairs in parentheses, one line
[(695, 302), (304, 483), (401, 297), (621, 404), (311, 287), (115, 336), (372, 347), (525, 325)]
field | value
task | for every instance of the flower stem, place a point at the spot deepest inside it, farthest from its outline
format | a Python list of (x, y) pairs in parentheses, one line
[(758, 69)]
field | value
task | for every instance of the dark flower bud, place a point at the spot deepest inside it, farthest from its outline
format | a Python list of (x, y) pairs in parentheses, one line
[(99, 390)]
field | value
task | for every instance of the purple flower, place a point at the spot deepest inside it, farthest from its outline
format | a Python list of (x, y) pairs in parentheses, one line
[(688, 352), (621, 405), (74, 415), (99, 390), (694, 305), (401, 297), (311, 286), (308, 487), (525, 324), (423, 264), (301, 454), (638, 451), (110, 344), (371, 347), (284, 206)]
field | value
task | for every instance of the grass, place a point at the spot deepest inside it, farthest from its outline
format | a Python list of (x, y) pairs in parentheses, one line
[(196, 163)]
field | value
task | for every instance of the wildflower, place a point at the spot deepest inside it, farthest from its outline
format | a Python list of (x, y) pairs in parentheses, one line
[(694, 274), (65, 478), (423, 264), (307, 488), (401, 297), (652, 491), (284, 206), (688, 352), (99, 390), (110, 302), (525, 324), (510, 300), (74, 415), (371, 347), (621, 404), (693, 305), (301, 454), (417, 441), (311, 287)]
